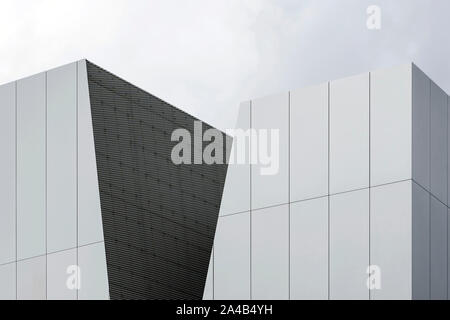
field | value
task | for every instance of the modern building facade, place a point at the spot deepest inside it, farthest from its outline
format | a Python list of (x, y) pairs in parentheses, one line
[(362, 181), (361, 185), (91, 205)]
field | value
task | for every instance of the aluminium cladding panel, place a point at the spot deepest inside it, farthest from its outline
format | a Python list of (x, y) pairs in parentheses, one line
[(236, 193), (270, 253), (59, 275), (448, 150), (94, 275), (309, 142), (438, 247), (391, 117), (309, 249), (31, 166), (8, 281), (390, 239), (270, 119), (208, 292), (8, 173), (90, 228), (421, 128), (438, 143), (349, 134), (31, 279), (232, 258), (62, 158), (420, 243), (349, 245)]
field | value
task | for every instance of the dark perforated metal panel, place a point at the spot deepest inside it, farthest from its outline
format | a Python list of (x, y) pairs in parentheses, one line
[(159, 219)]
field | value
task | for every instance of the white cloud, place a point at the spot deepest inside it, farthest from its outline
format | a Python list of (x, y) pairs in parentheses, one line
[(206, 56)]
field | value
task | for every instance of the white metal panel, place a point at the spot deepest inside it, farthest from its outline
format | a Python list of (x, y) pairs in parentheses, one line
[(94, 274), (270, 180), (8, 281), (62, 158), (349, 134), (391, 125), (438, 143), (390, 239), (31, 279), (8, 173), (31, 166), (309, 142), (90, 227), (270, 253), (421, 128), (59, 275), (420, 243), (448, 151), (448, 255), (349, 245), (438, 250), (236, 192), (309, 250), (232, 258)]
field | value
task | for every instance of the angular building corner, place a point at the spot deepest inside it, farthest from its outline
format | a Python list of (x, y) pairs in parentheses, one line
[(92, 206), (362, 188)]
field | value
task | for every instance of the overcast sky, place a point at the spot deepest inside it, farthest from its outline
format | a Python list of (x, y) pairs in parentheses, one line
[(207, 56)]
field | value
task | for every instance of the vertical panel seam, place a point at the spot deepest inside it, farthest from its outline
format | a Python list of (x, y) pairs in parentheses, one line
[(329, 226), (77, 170), (46, 184), (412, 178), (370, 176), (289, 195), (15, 169), (250, 200), (446, 137), (429, 195)]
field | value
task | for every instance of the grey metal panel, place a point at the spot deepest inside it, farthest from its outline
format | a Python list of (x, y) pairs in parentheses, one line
[(421, 128), (349, 245), (349, 134), (8, 281), (58, 275), (448, 151), (90, 228), (390, 239), (438, 246), (309, 142), (391, 116), (94, 276), (139, 184), (236, 194), (439, 154), (31, 166), (8, 173), (420, 243), (309, 250), (232, 258), (270, 253), (448, 255), (62, 158), (268, 115), (31, 279), (208, 293)]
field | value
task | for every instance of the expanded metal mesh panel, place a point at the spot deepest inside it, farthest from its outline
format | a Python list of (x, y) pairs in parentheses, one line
[(159, 219)]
